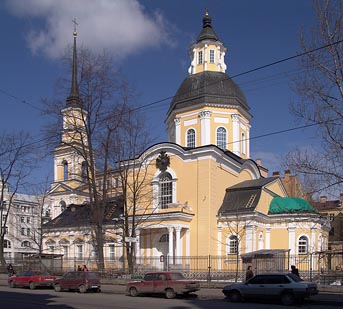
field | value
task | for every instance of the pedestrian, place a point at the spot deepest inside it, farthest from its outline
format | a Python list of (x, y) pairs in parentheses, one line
[(10, 270), (79, 268), (249, 273), (295, 270), (85, 268)]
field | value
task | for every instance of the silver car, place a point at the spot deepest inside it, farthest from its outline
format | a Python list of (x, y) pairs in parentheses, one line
[(287, 288)]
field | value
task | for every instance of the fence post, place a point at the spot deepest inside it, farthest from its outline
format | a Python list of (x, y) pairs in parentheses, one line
[(209, 269)]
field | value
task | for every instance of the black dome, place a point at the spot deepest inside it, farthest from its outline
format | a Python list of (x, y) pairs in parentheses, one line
[(210, 88)]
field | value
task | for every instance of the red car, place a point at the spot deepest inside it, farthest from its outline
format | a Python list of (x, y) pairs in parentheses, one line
[(168, 283), (31, 279)]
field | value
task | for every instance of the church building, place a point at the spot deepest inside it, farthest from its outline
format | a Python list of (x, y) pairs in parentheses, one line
[(208, 197)]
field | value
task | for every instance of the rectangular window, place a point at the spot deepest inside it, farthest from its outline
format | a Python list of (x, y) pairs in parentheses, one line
[(65, 251), (211, 55), (28, 220), (23, 231), (112, 252), (28, 232), (79, 252), (200, 57), (22, 219)]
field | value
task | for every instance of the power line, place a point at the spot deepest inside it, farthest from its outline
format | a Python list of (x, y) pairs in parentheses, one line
[(234, 76)]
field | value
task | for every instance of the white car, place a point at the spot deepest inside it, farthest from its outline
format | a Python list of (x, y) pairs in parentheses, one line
[(287, 288)]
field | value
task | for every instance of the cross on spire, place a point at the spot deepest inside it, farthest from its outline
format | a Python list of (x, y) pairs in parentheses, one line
[(75, 24)]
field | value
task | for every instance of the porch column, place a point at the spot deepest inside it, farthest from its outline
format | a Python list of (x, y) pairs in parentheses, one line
[(178, 244), (188, 246), (291, 242), (219, 245), (137, 244), (267, 244), (171, 244)]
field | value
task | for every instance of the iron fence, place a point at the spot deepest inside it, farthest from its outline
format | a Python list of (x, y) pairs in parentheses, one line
[(323, 267)]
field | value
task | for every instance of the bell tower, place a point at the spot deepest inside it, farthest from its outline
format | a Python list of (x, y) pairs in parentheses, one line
[(209, 108), (70, 168)]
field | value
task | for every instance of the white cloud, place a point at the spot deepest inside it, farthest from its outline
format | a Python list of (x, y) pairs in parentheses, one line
[(121, 26)]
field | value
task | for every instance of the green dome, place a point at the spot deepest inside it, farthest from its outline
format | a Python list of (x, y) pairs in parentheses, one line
[(290, 205)]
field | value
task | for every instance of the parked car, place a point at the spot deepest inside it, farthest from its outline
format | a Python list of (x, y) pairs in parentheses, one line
[(31, 279), (287, 288), (81, 281), (168, 283)]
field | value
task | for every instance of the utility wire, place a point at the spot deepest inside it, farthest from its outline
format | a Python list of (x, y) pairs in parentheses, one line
[(234, 76)]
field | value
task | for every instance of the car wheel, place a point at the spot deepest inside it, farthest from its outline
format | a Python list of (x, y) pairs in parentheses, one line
[(57, 288), (12, 284), (287, 299), (82, 288), (32, 285), (170, 293), (133, 292), (235, 296)]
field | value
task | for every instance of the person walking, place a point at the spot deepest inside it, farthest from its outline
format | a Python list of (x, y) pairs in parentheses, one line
[(10, 270), (85, 268), (249, 273), (295, 270)]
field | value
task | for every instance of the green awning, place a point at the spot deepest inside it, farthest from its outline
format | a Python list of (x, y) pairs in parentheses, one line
[(290, 205)]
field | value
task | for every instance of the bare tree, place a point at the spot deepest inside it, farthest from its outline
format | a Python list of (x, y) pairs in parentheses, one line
[(105, 108), (130, 141), (319, 87), (15, 166)]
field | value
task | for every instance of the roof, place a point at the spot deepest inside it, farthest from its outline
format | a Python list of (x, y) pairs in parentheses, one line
[(244, 197), (265, 253), (290, 205), (80, 215), (208, 87), (207, 32), (328, 205)]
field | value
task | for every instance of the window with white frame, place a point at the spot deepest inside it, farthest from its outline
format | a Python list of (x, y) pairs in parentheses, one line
[(7, 244), (79, 254), (51, 249), (25, 244), (233, 244), (303, 245), (65, 251), (191, 138), (221, 138), (65, 170), (200, 57), (211, 55), (112, 252), (165, 190)]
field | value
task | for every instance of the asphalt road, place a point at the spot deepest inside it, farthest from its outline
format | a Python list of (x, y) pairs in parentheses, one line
[(43, 298)]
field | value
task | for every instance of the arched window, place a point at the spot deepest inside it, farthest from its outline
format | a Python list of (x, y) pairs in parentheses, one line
[(164, 238), (25, 244), (191, 138), (84, 171), (260, 241), (165, 190), (221, 138), (7, 244), (303, 245), (233, 244), (65, 170)]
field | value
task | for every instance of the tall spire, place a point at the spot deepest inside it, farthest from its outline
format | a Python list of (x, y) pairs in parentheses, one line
[(207, 32), (74, 99)]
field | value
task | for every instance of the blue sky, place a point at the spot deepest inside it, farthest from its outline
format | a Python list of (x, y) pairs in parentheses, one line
[(149, 40)]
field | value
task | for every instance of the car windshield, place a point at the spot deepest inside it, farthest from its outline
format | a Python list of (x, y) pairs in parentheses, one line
[(177, 276)]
